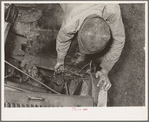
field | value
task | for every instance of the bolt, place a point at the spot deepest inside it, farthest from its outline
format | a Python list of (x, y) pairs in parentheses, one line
[(9, 70)]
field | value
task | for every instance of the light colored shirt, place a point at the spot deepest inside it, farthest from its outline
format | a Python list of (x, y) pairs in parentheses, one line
[(74, 17)]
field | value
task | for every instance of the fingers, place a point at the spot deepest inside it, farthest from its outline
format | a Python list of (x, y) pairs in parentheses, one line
[(98, 74), (100, 80), (56, 67), (106, 85), (58, 71), (103, 78), (59, 68)]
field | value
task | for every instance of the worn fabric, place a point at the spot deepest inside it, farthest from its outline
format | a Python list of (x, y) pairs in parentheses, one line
[(96, 29), (74, 17)]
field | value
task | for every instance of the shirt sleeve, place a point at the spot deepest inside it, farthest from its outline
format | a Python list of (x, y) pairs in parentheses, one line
[(63, 41), (118, 35)]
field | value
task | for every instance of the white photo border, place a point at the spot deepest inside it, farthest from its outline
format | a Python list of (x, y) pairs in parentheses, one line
[(67, 113)]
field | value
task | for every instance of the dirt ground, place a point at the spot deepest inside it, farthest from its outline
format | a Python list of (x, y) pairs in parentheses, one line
[(128, 74)]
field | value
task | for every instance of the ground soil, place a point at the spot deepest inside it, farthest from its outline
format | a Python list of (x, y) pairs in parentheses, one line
[(128, 74)]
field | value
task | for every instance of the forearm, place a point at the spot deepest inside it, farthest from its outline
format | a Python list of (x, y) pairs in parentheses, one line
[(66, 33), (118, 35), (113, 55), (63, 42), (62, 49)]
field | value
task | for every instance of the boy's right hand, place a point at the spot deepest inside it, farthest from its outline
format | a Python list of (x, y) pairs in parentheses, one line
[(59, 67)]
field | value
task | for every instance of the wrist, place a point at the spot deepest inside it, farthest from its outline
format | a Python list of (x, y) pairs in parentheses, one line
[(104, 71), (60, 60)]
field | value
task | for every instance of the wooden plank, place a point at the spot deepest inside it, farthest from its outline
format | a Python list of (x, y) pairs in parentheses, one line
[(102, 98)]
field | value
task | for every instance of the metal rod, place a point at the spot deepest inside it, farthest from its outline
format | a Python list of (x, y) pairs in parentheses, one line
[(33, 78), (84, 67), (66, 88)]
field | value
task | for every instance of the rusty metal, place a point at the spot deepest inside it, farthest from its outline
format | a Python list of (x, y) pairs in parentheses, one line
[(10, 105), (50, 100), (29, 14), (66, 87), (58, 82), (65, 83), (74, 73), (14, 44), (71, 72), (78, 89), (8, 25), (35, 98), (16, 88), (33, 78), (11, 13), (26, 86)]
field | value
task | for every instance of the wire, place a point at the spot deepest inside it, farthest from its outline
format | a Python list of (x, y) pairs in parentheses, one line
[(90, 66), (33, 78)]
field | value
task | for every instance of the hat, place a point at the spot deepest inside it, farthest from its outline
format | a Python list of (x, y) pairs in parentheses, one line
[(94, 34)]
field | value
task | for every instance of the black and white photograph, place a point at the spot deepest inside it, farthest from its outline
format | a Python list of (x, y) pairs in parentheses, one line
[(79, 57)]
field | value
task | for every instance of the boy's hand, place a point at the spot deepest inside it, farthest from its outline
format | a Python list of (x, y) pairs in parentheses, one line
[(59, 67), (103, 77)]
